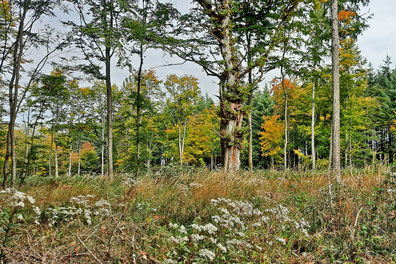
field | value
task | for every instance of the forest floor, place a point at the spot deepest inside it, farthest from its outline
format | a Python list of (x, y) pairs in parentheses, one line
[(197, 216)]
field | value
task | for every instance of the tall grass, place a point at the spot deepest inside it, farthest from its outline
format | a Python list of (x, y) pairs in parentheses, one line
[(350, 222)]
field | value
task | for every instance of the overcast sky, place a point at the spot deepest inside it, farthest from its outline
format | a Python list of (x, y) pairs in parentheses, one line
[(376, 42)]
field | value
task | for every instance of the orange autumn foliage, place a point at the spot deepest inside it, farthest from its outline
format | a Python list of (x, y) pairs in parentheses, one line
[(272, 135), (346, 15), (85, 148)]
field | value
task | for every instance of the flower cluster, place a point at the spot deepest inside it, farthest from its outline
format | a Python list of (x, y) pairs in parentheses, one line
[(235, 227), (16, 198), (82, 208), (130, 182)]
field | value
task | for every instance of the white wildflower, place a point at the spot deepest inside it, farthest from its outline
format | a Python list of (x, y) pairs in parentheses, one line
[(222, 248), (196, 237), (182, 229), (210, 228), (36, 210), (282, 240), (174, 226), (102, 203), (207, 254), (212, 240), (30, 199)]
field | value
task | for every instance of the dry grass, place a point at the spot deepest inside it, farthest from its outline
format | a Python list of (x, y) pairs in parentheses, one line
[(133, 236)]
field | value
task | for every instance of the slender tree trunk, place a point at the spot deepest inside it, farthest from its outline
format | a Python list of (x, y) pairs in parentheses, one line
[(56, 161), (182, 138), (13, 159), (50, 154), (29, 150), (346, 149), (286, 135), (13, 88), (109, 117), (139, 86), (79, 160), (102, 147), (350, 151), (108, 10), (272, 163), (390, 146), (148, 161), (286, 95), (336, 164), (250, 103), (331, 147), (70, 158), (313, 153), (149, 151), (250, 138)]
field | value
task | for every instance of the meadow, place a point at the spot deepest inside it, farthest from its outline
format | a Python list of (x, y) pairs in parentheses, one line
[(199, 216)]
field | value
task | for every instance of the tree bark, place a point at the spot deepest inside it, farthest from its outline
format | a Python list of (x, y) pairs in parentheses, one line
[(313, 154), (231, 99), (79, 160), (109, 117), (102, 146), (70, 158), (285, 92), (13, 88), (108, 42), (336, 161), (182, 137), (56, 161), (250, 138), (50, 155), (139, 86)]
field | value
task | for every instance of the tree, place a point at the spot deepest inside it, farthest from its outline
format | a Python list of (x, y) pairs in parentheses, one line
[(98, 37), (335, 139), (202, 140), (211, 43), (26, 14), (151, 97), (382, 86), (316, 29), (183, 95), (271, 137)]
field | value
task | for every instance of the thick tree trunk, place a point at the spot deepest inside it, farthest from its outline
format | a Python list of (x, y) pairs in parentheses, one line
[(230, 96), (233, 138), (336, 162)]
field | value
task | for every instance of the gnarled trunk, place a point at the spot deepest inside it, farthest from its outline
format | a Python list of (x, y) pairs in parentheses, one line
[(232, 137)]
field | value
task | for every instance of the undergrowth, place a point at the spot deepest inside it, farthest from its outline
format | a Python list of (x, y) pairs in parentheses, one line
[(197, 216)]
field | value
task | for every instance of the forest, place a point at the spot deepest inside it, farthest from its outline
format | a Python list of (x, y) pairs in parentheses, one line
[(288, 157)]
